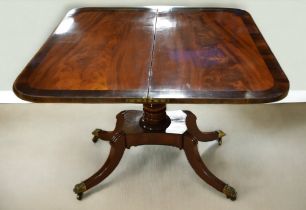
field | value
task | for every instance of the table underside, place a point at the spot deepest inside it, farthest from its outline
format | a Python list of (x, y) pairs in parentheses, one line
[(142, 55)]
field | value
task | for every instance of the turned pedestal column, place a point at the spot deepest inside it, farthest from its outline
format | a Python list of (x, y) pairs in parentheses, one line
[(149, 127)]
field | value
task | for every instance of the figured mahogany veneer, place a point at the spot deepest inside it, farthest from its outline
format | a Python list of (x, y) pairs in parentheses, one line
[(139, 55), (154, 57)]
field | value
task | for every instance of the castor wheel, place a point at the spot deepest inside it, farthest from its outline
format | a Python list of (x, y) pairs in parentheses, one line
[(232, 198), (230, 192), (95, 134), (79, 196), (220, 135), (79, 189), (95, 139)]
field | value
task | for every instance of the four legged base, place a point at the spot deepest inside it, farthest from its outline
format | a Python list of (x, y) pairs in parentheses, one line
[(182, 133)]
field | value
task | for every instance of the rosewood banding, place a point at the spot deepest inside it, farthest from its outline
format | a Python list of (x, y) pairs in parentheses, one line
[(208, 55), (203, 55)]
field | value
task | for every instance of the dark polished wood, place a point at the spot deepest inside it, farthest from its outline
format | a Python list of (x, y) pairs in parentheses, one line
[(215, 56), (154, 117), (94, 55), (181, 133), (154, 57), (142, 55)]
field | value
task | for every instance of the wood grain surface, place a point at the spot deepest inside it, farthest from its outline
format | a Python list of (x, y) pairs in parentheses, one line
[(94, 52), (138, 55), (213, 55)]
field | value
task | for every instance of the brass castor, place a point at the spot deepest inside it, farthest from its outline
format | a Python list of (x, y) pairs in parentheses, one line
[(79, 189), (95, 134), (79, 196), (230, 192), (95, 139), (220, 135)]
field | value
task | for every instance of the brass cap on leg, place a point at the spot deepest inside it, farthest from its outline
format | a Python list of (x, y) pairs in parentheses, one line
[(96, 132), (220, 133), (230, 192), (79, 188)]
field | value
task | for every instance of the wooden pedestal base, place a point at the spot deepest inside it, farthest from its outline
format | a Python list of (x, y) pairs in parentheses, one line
[(181, 131)]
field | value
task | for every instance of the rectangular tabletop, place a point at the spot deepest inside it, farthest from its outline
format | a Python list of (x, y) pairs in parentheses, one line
[(138, 55)]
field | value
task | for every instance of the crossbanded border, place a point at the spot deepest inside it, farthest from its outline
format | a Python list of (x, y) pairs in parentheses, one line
[(294, 96)]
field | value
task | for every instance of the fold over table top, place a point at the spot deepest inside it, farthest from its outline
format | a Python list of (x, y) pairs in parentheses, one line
[(138, 55)]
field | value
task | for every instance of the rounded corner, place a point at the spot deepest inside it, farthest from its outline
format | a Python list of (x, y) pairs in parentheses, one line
[(16, 91), (22, 94), (75, 11), (240, 12), (277, 92), (244, 12)]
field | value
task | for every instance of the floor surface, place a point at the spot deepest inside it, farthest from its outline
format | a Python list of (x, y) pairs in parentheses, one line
[(45, 149)]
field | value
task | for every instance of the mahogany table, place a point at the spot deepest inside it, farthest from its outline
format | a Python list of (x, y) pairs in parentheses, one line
[(153, 57)]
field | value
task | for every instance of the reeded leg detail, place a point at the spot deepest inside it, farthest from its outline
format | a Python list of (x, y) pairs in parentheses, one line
[(108, 135), (191, 150), (103, 135), (199, 135), (135, 128), (117, 149)]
